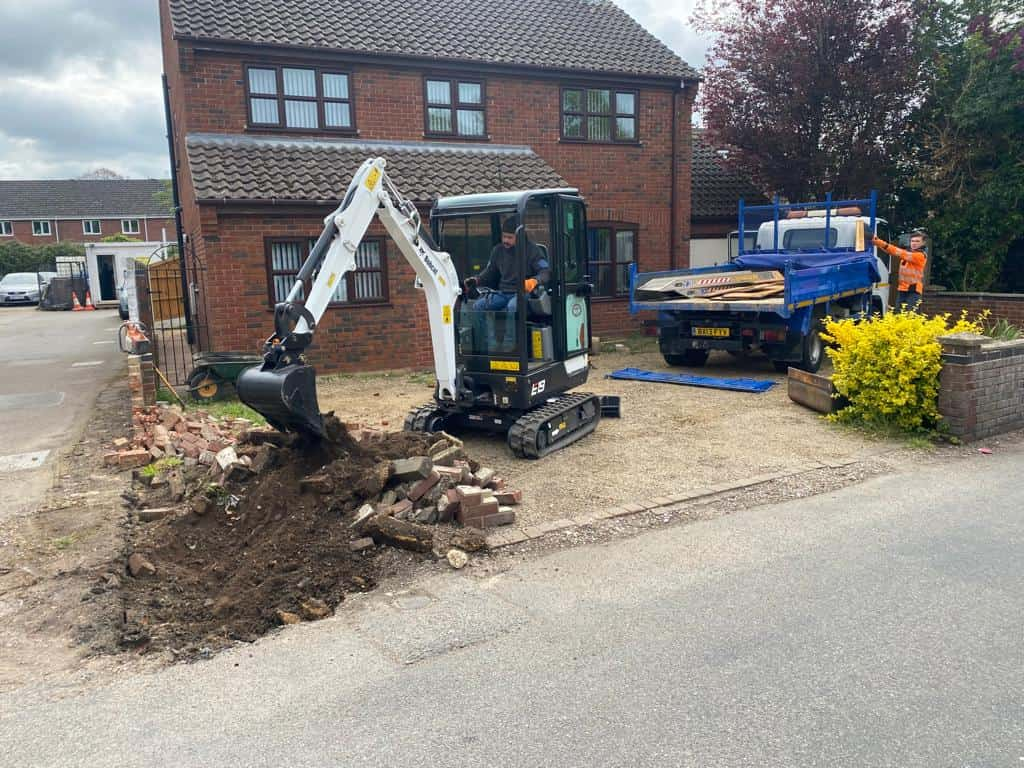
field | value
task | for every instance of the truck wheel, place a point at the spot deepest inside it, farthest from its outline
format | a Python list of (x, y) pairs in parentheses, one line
[(813, 349)]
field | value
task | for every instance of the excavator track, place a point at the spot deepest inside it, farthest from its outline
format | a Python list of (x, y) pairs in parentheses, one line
[(424, 418), (554, 425)]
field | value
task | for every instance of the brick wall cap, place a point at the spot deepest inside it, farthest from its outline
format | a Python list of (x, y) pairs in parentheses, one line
[(963, 340)]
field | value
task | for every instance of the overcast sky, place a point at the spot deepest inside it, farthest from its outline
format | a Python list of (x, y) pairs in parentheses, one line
[(80, 83)]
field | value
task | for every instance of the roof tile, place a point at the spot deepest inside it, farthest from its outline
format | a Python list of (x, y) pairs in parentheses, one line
[(81, 198), (716, 187)]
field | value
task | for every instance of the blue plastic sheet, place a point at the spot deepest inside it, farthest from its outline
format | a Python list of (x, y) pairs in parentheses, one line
[(778, 260), (736, 385)]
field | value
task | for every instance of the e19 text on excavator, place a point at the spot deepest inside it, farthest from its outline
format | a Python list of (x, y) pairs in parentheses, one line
[(507, 349)]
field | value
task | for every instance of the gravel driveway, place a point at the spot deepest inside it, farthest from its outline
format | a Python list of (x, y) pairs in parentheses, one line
[(670, 438)]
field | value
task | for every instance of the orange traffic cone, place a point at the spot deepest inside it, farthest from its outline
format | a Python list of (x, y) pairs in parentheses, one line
[(75, 306), (89, 306)]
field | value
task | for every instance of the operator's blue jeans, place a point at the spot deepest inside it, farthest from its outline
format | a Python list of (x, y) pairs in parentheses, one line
[(495, 302)]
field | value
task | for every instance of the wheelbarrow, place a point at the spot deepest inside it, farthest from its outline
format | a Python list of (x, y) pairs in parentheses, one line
[(214, 373)]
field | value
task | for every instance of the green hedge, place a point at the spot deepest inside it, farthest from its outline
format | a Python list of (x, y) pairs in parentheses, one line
[(18, 257)]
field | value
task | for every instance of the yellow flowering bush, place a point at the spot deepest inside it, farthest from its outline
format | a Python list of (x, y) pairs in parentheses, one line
[(888, 367)]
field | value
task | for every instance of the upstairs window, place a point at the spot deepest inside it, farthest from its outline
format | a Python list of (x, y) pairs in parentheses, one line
[(367, 284), (599, 115), (455, 108), (299, 99), (6, 229), (41, 228), (130, 226), (91, 226)]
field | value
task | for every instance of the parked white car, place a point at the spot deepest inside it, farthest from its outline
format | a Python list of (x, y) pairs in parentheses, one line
[(19, 288)]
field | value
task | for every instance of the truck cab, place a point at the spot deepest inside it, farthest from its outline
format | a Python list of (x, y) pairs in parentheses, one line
[(808, 233)]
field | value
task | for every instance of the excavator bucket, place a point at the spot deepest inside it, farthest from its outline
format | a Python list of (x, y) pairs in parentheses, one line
[(285, 397)]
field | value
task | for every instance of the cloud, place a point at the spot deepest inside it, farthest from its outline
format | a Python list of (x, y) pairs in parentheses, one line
[(670, 23)]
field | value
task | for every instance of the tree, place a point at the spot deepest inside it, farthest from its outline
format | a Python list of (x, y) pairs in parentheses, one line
[(165, 196), (813, 95), (19, 257), (971, 146), (101, 174)]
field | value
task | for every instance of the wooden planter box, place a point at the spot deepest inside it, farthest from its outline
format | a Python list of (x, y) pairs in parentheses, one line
[(814, 391)]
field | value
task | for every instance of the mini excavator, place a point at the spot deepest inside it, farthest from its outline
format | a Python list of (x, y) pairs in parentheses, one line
[(505, 365)]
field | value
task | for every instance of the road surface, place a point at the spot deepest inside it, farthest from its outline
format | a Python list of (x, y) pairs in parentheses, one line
[(53, 365), (880, 625)]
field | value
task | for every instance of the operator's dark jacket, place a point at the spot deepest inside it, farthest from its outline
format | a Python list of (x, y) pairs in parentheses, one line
[(502, 271)]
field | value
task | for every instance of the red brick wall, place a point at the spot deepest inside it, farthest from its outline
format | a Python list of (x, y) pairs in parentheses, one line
[(1003, 306), (70, 231), (621, 183), (981, 387)]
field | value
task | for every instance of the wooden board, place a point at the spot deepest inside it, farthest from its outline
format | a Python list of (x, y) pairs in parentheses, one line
[(704, 284), (814, 391)]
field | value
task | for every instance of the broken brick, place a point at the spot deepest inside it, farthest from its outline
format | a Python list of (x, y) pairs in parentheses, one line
[(411, 469), (120, 442), (399, 508), (509, 498), (133, 458), (420, 488), (483, 477)]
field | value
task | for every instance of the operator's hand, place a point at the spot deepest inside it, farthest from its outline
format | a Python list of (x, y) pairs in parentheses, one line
[(530, 284), (469, 283)]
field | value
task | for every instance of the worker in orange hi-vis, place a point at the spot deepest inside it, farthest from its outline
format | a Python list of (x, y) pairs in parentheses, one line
[(911, 274)]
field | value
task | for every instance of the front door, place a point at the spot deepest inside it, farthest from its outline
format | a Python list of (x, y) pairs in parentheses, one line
[(108, 286)]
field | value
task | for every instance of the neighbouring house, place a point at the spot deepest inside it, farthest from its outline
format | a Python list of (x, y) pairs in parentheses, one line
[(275, 103), (111, 266), (83, 210), (717, 190)]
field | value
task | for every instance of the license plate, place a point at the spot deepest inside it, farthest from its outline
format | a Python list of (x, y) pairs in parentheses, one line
[(710, 331)]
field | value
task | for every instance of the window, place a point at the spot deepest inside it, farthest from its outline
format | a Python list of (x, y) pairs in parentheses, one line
[(41, 228), (91, 226), (804, 239), (612, 249), (6, 229), (299, 99), (599, 114), (130, 226), (367, 284), (455, 108)]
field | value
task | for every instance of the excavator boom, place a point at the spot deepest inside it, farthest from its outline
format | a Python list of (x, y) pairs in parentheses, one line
[(283, 388)]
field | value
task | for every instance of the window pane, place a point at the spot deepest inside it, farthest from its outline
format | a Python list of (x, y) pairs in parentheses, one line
[(572, 101), (469, 93), (439, 92), (265, 111), (600, 128), (285, 257), (335, 86), (337, 115), (625, 127), (625, 103), (573, 126), (263, 81), (439, 120), (625, 241), (300, 114), (368, 256), (299, 82), (341, 292), (599, 101), (283, 285), (471, 122), (602, 279), (602, 244)]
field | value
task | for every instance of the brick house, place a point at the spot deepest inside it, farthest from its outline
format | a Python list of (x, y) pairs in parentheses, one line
[(82, 211), (275, 103)]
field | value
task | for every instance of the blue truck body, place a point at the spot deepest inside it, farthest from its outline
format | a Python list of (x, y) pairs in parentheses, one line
[(817, 282)]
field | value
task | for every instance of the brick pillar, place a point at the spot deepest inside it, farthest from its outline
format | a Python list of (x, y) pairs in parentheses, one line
[(142, 380), (981, 386)]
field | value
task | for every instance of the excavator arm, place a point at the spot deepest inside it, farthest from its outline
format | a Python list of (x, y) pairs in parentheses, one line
[(283, 388)]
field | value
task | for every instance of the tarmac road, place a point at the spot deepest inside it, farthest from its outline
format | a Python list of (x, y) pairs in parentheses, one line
[(52, 366), (879, 625)]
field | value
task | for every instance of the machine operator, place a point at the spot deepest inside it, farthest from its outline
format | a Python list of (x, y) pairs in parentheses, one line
[(502, 273)]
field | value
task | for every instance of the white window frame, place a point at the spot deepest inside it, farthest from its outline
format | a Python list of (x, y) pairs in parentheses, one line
[(6, 229), (87, 229), (126, 228), (38, 230)]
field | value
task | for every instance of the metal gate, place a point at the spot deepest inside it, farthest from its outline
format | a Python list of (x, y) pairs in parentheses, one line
[(172, 306)]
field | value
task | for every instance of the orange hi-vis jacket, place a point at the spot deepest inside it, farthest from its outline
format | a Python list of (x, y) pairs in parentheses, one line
[(912, 264)]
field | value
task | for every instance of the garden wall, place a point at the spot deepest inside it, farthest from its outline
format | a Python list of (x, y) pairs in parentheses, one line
[(981, 389)]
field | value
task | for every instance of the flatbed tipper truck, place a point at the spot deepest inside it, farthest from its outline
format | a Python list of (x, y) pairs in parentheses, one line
[(809, 261)]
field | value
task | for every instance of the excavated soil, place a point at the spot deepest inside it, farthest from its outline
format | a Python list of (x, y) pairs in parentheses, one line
[(265, 547)]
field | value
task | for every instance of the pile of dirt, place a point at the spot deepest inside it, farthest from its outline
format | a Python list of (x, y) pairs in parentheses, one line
[(253, 551)]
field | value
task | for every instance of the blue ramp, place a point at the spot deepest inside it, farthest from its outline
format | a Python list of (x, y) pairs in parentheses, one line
[(736, 385)]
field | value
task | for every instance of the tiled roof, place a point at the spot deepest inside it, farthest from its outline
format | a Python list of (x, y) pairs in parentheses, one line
[(231, 167), (587, 35), (80, 198), (716, 187)]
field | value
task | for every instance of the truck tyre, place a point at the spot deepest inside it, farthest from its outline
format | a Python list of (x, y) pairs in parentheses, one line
[(812, 351)]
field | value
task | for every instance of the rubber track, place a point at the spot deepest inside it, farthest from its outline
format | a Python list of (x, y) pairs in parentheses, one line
[(522, 437), (416, 419)]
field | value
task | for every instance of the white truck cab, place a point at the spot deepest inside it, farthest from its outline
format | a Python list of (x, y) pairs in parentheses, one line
[(808, 233)]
